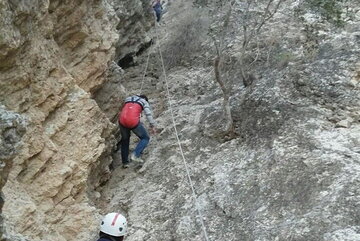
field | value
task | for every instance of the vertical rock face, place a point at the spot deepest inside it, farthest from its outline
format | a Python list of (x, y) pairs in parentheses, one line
[(53, 56)]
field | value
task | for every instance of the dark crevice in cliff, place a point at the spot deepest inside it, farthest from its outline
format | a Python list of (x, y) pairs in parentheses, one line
[(129, 60)]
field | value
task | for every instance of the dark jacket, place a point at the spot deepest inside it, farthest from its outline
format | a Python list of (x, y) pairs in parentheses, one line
[(157, 7), (110, 239)]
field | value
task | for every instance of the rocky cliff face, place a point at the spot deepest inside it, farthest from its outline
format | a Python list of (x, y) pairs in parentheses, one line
[(290, 172), (53, 56)]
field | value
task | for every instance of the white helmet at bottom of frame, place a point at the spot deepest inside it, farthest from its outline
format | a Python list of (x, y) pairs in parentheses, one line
[(114, 224)]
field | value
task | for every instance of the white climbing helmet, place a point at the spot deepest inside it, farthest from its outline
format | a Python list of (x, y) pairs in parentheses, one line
[(114, 224)]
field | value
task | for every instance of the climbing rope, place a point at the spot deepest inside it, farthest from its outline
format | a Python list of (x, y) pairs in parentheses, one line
[(178, 140), (145, 70)]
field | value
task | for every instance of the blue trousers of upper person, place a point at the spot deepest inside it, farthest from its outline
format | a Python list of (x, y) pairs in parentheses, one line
[(140, 132), (158, 14)]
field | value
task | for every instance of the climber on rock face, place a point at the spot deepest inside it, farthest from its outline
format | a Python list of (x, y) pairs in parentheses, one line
[(129, 120), (113, 227), (157, 6)]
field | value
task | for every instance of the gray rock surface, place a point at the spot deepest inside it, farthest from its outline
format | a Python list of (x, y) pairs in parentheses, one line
[(292, 172), (12, 128)]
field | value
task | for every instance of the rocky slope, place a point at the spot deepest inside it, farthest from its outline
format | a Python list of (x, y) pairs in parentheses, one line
[(290, 173)]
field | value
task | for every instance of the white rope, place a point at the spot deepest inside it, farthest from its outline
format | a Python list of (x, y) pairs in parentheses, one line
[(145, 70), (178, 140)]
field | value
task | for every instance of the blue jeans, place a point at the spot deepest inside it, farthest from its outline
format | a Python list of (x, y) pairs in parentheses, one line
[(140, 131), (158, 14)]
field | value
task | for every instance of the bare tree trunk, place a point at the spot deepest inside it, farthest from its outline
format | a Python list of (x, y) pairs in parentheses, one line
[(229, 129), (252, 26)]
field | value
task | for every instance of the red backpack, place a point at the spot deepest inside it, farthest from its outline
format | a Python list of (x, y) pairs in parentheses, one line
[(129, 116)]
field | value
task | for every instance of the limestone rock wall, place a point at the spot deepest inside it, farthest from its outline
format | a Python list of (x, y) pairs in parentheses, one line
[(53, 56)]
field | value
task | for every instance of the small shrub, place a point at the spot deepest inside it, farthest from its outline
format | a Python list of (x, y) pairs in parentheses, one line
[(331, 10), (284, 58)]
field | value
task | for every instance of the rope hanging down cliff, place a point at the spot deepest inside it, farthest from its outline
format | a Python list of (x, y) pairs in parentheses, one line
[(178, 140), (146, 67)]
